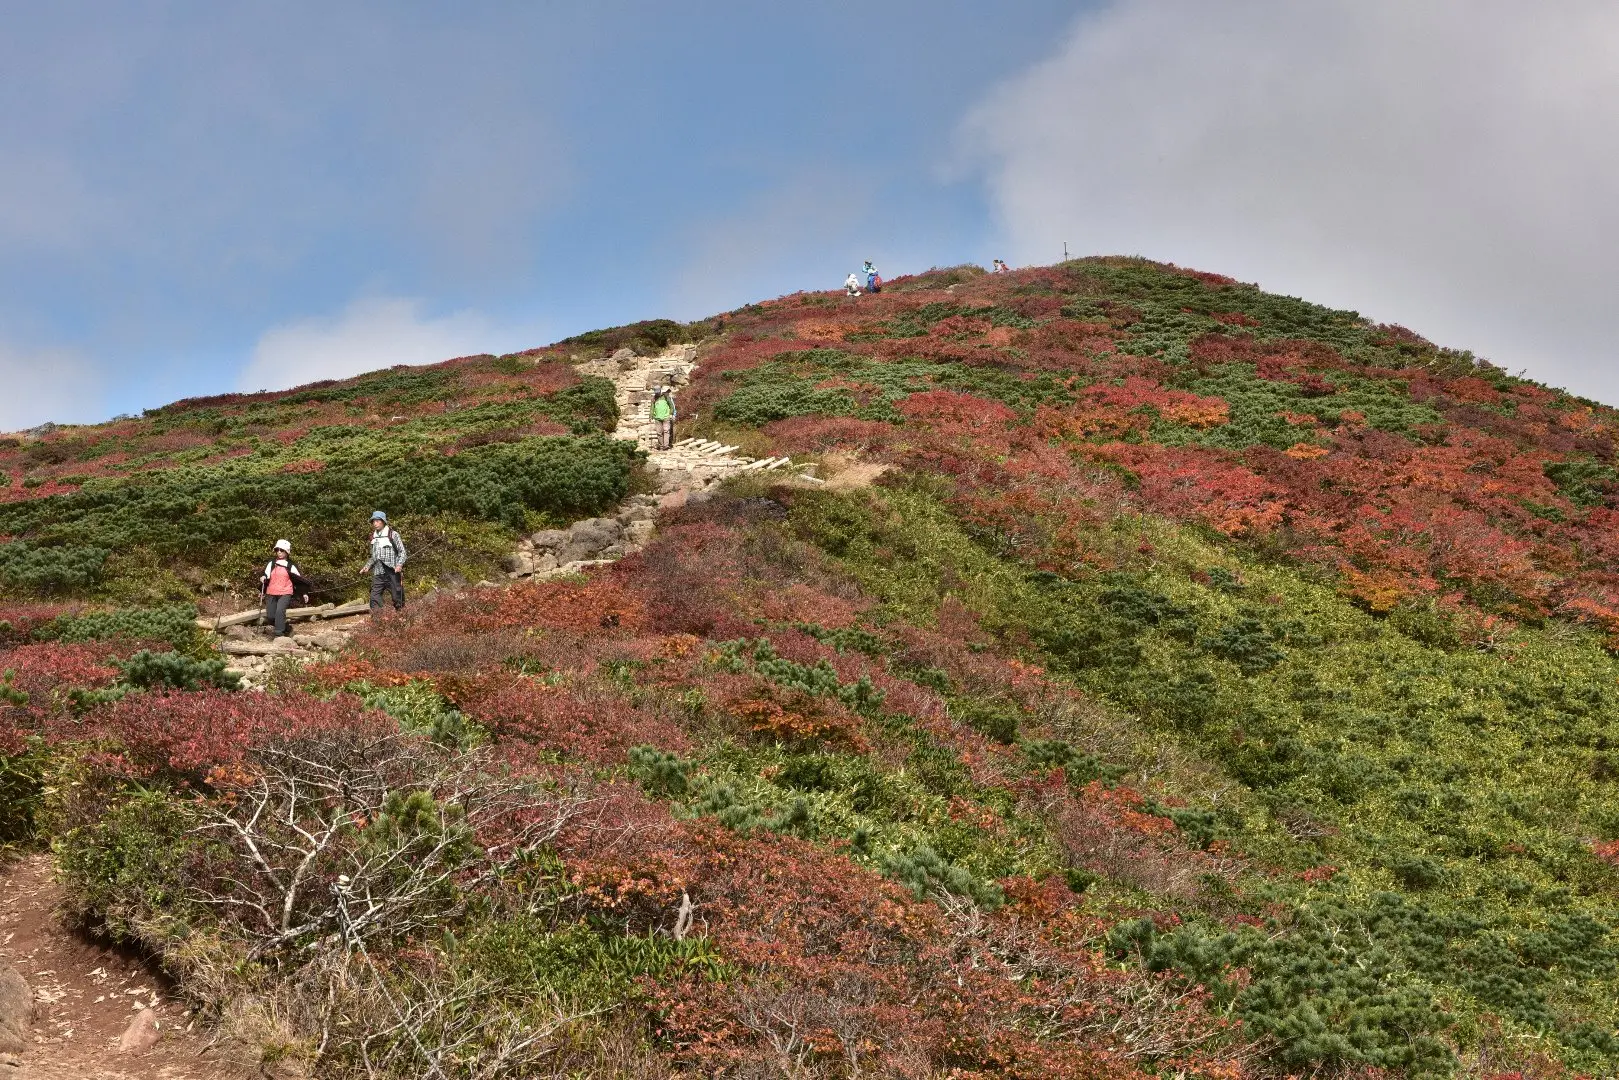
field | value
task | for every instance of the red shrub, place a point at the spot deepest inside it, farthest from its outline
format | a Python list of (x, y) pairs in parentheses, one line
[(578, 721), (190, 735)]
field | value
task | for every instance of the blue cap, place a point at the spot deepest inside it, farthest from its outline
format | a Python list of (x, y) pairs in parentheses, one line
[(378, 515)]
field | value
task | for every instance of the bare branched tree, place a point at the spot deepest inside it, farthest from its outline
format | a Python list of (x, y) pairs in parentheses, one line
[(358, 836), (335, 843)]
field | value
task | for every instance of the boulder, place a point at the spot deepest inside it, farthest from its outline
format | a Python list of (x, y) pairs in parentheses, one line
[(590, 536), (545, 562), (612, 551), (520, 563), (143, 1032), (625, 359), (16, 1010), (549, 539), (639, 532)]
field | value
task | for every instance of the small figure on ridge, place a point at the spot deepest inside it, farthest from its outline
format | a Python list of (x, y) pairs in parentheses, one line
[(386, 564), (851, 286), (1001, 267), (874, 280), (277, 585)]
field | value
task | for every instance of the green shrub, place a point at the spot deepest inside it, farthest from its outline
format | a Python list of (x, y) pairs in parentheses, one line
[(924, 871), (197, 515), (1583, 483), (147, 670), (421, 709), (129, 864), (659, 772), (579, 963), (22, 781), (173, 624), (36, 568), (996, 720)]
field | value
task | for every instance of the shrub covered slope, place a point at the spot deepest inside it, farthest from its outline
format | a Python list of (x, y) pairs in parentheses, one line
[(1213, 684)]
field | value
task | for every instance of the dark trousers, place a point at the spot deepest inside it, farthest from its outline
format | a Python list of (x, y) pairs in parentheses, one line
[(386, 581), (275, 609)]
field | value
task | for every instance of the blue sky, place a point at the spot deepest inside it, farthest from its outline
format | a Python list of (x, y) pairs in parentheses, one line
[(187, 178), (202, 197)]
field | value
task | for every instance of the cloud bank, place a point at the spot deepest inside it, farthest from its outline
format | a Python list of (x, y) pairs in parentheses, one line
[(369, 334), (1448, 165)]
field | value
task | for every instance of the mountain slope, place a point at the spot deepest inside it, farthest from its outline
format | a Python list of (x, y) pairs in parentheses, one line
[(1212, 682)]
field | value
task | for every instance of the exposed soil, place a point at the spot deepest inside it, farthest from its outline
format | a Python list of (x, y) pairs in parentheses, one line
[(86, 994)]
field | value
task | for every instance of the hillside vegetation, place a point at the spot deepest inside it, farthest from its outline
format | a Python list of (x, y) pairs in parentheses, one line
[(1212, 684)]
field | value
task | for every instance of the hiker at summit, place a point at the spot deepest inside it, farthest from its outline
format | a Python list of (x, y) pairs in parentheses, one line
[(387, 563), (279, 582), (1001, 267), (874, 280), (851, 286), (664, 414)]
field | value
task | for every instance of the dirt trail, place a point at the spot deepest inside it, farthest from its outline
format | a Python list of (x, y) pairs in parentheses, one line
[(85, 995)]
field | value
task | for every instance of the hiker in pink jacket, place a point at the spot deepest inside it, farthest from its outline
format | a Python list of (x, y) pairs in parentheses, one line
[(279, 583)]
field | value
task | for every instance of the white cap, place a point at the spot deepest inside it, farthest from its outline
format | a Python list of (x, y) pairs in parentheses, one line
[(284, 545)]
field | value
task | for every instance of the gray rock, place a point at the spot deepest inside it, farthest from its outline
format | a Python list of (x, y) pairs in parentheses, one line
[(519, 562), (639, 532), (625, 359), (549, 539), (16, 1010), (599, 531), (580, 551), (613, 551), (545, 562)]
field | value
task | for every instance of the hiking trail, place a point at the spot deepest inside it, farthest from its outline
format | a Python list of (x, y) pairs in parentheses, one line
[(690, 467), (98, 1013)]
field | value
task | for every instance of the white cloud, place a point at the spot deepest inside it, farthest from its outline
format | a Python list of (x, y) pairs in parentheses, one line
[(51, 384), (1448, 165), (369, 334)]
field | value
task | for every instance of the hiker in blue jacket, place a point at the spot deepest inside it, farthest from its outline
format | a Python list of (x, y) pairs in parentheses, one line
[(874, 280), (386, 564)]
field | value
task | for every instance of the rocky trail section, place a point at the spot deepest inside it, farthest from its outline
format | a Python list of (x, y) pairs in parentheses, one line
[(682, 473), (74, 1010), (692, 464)]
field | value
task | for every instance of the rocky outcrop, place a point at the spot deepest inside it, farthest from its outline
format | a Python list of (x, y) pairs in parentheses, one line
[(585, 543), (16, 1010)]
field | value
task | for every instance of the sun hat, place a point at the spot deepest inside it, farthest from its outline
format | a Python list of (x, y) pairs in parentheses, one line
[(283, 545), (378, 515)]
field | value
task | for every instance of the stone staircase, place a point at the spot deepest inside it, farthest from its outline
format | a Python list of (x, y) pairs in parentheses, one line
[(692, 464)]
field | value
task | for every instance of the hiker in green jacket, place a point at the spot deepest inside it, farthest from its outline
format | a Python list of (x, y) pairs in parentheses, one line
[(663, 415)]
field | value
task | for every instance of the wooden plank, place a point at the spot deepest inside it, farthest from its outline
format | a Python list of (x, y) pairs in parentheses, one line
[(353, 607), (255, 648), (241, 618), (309, 612)]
